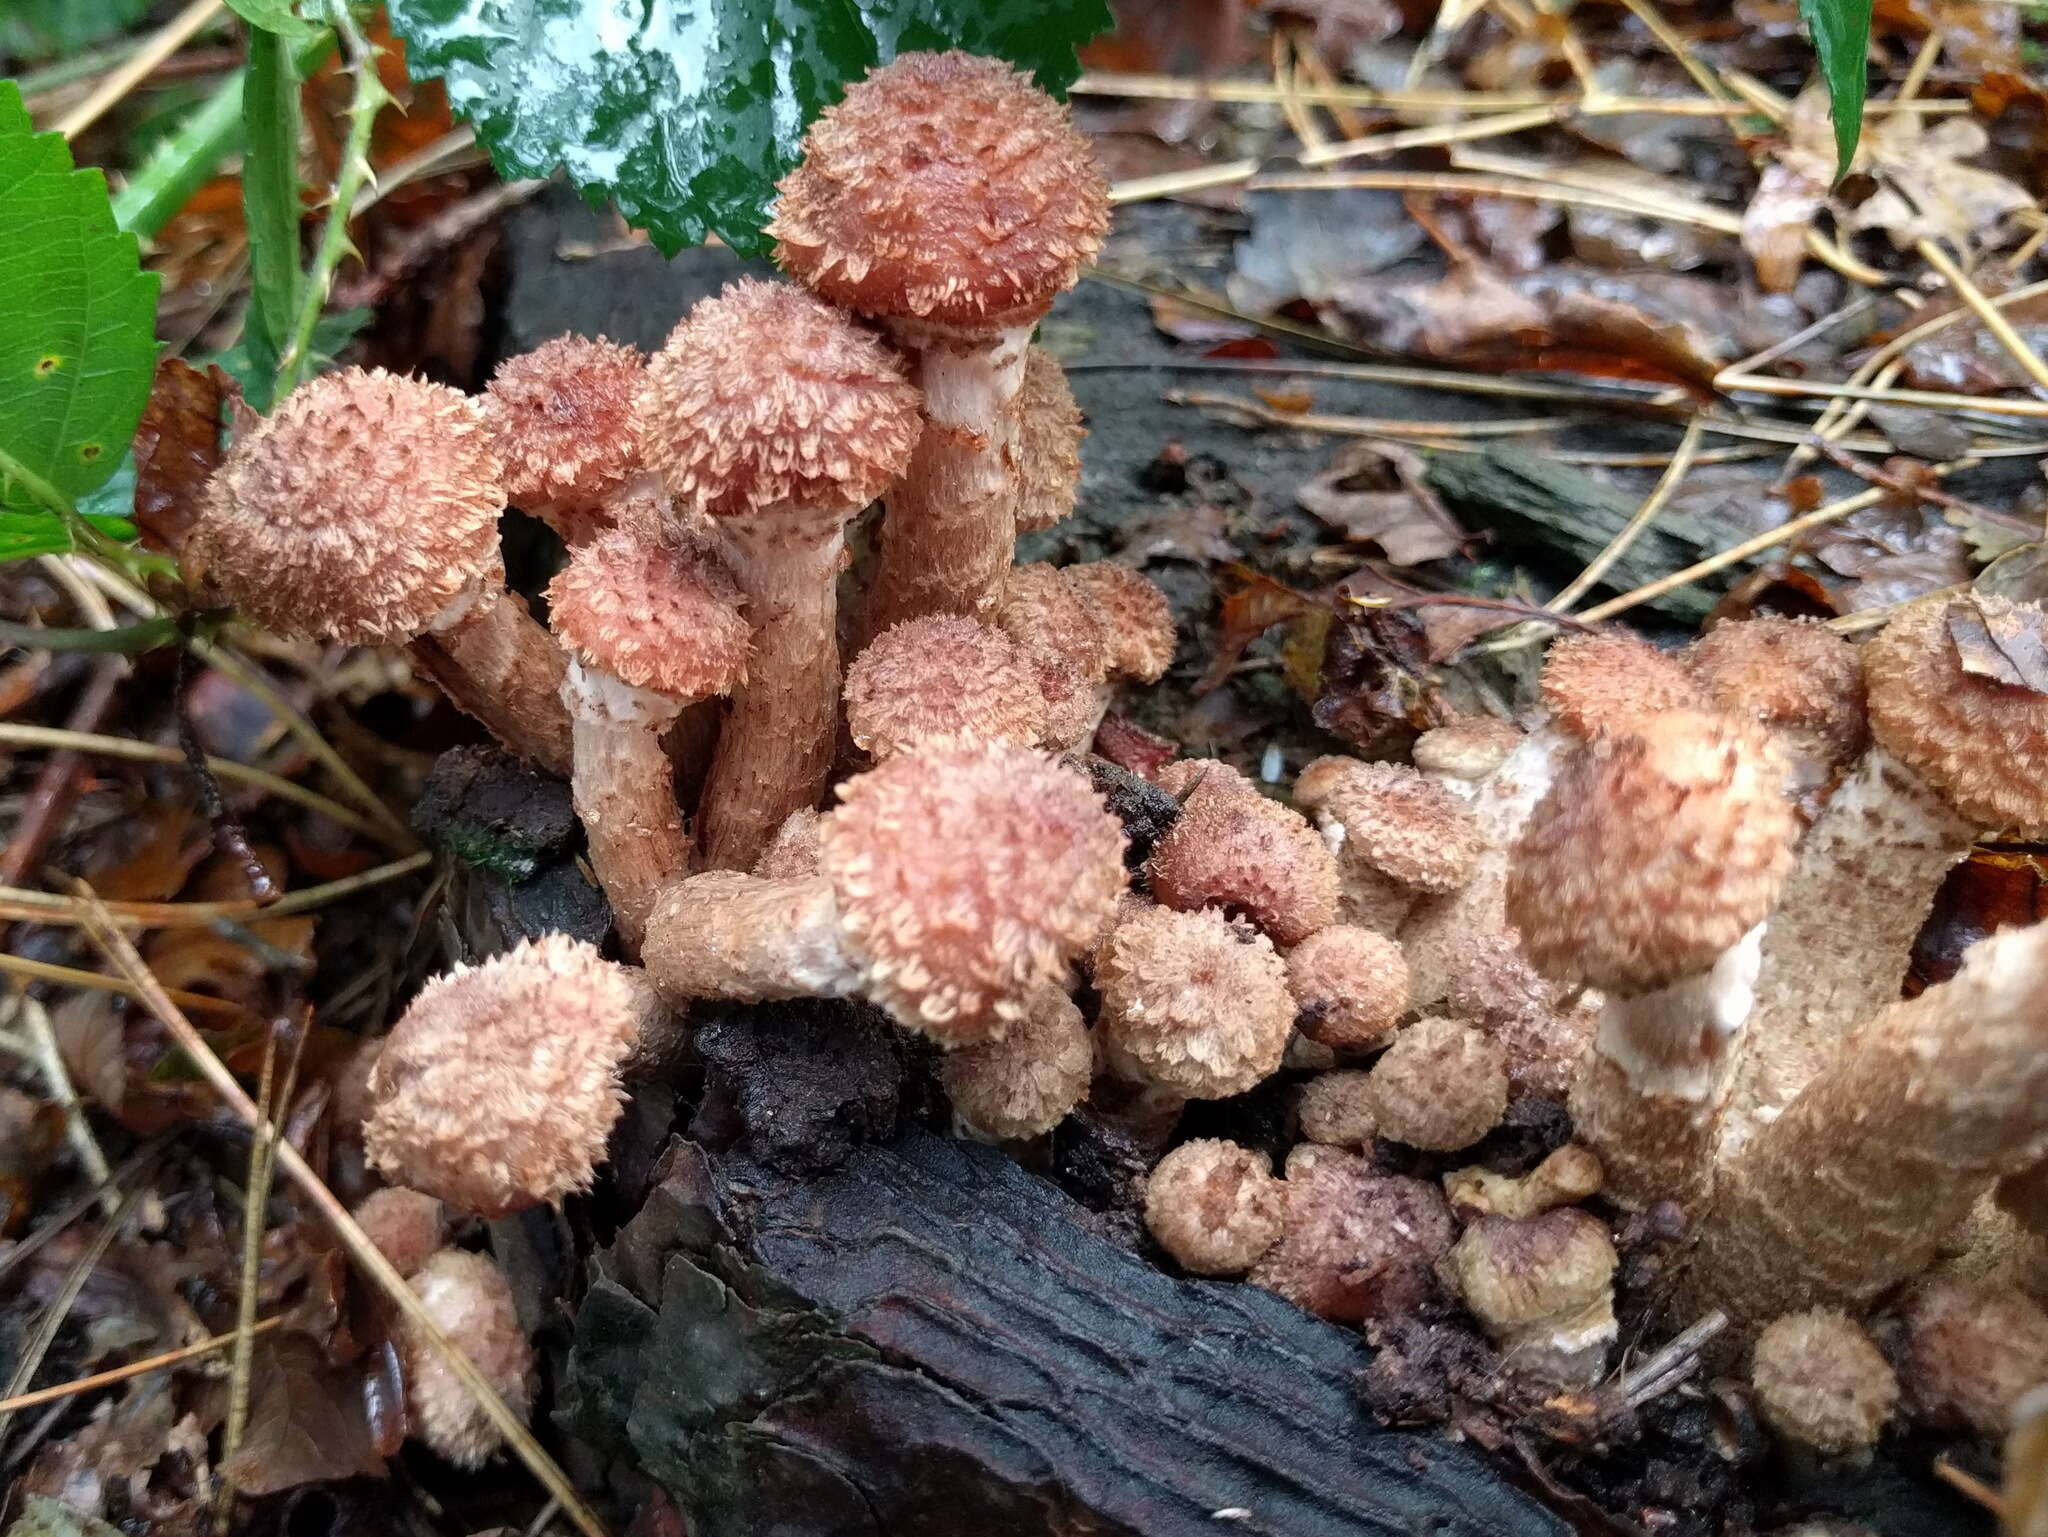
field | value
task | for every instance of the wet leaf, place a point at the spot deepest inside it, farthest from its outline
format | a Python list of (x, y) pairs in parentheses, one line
[(1340, 27), (1991, 890), (1250, 606), (1380, 496), (1314, 244), (1197, 533), (1927, 190), (1775, 225), (2020, 574), (177, 446), (687, 114), (2008, 648), (1840, 30), (307, 1421), (1376, 689)]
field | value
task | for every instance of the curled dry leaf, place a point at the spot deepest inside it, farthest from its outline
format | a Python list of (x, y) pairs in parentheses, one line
[(308, 1421), (2001, 646), (177, 447), (1377, 493), (1926, 191), (1376, 691), (1251, 603)]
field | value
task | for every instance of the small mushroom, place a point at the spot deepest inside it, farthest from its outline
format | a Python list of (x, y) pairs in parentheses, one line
[(561, 419), (1026, 1083), (1441, 1086), (1596, 684), (1337, 1109), (1351, 986), (1566, 1175), (1357, 1245), (1543, 1290), (1214, 1206), (1821, 1385), (1972, 1352), (1397, 836), (1192, 1004), (406, 1226), (470, 1301), (1798, 680), (1248, 856), (1045, 437), (941, 676)]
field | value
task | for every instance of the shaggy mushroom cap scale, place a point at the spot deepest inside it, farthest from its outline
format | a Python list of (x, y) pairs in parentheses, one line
[(946, 188), (1351, 984), (358, 510), (1656, 850), (1793, 674), (1136, 621), (1821, 1384), (967, 876), (1979, 739), (1252, 856), (1394, 820), (1025, 1084), (652, 615), (498, 1088), (942, 675), (561, 417), (1594, 684), (1195, 1005), (1215, 1206), (765, 397), (1046, 448)]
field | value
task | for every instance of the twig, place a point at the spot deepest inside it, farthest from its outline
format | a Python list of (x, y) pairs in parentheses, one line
[(57, 785), (1659, 1373), (142, 1368), (169, 38), (1969, 1485), (1618, 200), (365, 1253), (50, 1062), (1520, 611), (1938, 400), (2000, 328), (1360, 426), (1667, 483), (99, 981), (37, 1345), (1877, 475), (21, 904)]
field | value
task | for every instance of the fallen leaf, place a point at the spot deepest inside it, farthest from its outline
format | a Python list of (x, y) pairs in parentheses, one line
[(2019, 574), (1926, 191), (1250, 606), (177, 446), (1891, 554), (308, 1422), (2006, 647), (1193, 533), (1379, 495), (1777, 222), (1376, 690), (1991, 890), (1291, 402), (1311, 244), (1130, 746), (1196, 323), (93, 1044), (1341, 27)]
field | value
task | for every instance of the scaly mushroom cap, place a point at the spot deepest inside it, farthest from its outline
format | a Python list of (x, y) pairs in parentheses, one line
[(1137, 624), (1467, 750), (1394, 820), (1787, 674), (944, 187), (1214, 1206), (968, 876), (1357, 1244), (497, 1089), (1057, 631), (1595, 684), (1441, 1086), (653, 615), (1336, 1109), (357, 510), (941, 676), (470, 1301), (1655, 850), (1025, 1084), (561, 418), (1518, 1273), (766, 397), (1351, 985), (405, 1225), (1971, 1353), (1981, 740), (1193, 1004), (1248, 855), (1046, 455), (1821, 1384)]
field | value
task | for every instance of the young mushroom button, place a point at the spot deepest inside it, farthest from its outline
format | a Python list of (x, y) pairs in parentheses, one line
[(470, 1301), (952, 200), (561, 418), (941, 676), (364, 509), (1396, 835)]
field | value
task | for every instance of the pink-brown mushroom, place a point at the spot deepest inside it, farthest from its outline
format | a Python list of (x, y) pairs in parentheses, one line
[(561, 419)]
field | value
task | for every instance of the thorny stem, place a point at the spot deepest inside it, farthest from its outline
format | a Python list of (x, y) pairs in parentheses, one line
[(370, 98)]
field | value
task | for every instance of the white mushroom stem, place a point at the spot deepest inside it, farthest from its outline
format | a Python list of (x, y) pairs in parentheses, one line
[(951, 529), (775, 751), (1653, 1088), (741, 937), (624, 792), (498, 666), (1841, 939)]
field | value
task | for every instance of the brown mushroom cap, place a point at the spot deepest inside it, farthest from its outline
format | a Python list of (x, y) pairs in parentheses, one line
[(498, 1088), (470, 1301), (766, 397), (1788, 674), (1336, 1109), (1971, 1353), (1214, 1206), (1250, 856), (358, 509), (968, 876), (652, 615), (944, 187), (561, 418), (1357, 1244), (942, 675), (1025, 1084), (1978, 739), (1047, 452), (1195, 1005), (1057, 631), (1467, 749), (1821, 1384), (405, 1225), (1441, 1086), (1351, 985), (1595, 684), (1519, 1275), (1137, 624), (1656, 850), (1394, 820)]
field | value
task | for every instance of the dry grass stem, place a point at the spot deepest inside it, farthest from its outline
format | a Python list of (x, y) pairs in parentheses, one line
[(99, 981), (1994, 322), (49, 1057), (142, 1368), (1674, 474), (1937, 400), (167, 40), (21, 905)]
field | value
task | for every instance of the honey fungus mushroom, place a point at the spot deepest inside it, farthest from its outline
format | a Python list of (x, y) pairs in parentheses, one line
[(1397, 836), (1356, 1244), (470, 1301), (941, 676), (1024, 1084), (1542, 1287), (1238, 852), (781, 419), (1821, 1384), (497, 1089), (561, 419), (952, 200), (1214, 1206), (364, 509), (1046, 433), (1441, 1086), (1351, 986), (954, 880)]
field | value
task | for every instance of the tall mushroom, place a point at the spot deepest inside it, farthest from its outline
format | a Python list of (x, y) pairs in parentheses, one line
[(365, 509), (781, 418), (952, 200), (651, 628), (1647, 872)]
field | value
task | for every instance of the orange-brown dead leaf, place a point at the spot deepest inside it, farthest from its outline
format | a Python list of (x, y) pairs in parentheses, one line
[(177, 446)]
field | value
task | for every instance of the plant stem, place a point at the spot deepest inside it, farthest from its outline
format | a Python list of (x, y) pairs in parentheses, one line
[(127, 641), (270, 195)]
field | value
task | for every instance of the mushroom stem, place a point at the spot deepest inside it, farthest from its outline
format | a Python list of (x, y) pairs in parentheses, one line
[(1650, 1099), (741, 937), (775, 752), (1842, 937), (624, 793), (951, 529), (1858, 1182), (498, 666)]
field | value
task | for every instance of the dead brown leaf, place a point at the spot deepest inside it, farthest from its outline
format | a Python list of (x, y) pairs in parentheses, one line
[(1380, 495), (1926, 191), (1377, 693), (2007, 647), (1250, 605), (308, 1422), (1341, 27), (1776, 223), (2019, 574), (177, 446), (1196, 533)]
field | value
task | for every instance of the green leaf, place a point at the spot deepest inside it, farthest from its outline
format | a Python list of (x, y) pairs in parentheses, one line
[(44, 29), (1841, 37), (686, 113), (23, 534), (270, 195), (77, 322), (334, 331), (277, 17)]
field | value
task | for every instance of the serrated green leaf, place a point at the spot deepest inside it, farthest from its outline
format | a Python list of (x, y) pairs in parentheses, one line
[(45, 29), (277, 17), (1840, 30), (77, 321), (686, 113)]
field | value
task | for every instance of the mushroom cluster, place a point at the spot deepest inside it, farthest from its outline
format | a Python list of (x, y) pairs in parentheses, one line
[(1546, 988)]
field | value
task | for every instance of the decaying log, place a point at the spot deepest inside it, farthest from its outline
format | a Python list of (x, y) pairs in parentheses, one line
[(931, 1341)]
